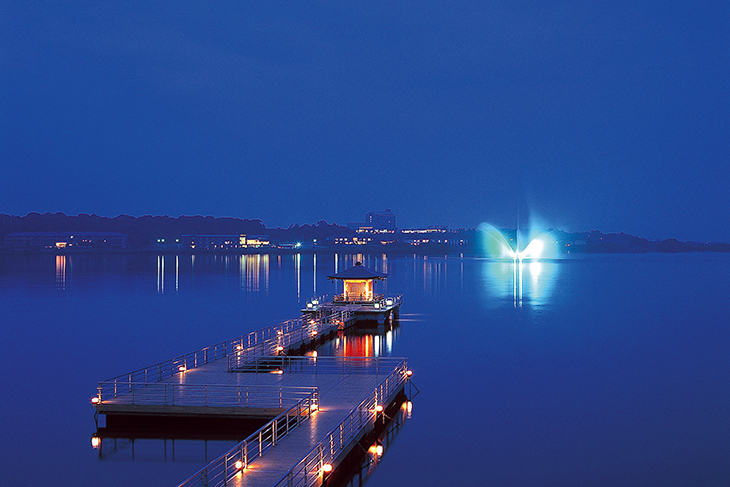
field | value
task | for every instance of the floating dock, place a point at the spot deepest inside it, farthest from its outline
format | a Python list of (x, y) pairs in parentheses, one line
[(312, 410), (358, 298)]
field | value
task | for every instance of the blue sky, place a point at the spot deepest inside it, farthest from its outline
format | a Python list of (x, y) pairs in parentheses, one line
[(582, 115)]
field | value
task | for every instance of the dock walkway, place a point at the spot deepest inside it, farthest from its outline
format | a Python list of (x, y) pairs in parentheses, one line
[(349, 393), (320, 406), (335, 401)]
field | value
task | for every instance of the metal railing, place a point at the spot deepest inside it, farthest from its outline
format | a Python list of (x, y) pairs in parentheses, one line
[(221, 470), (255, 344), (309, 469), (382, 300), (202, 395), (283, 339), (326, 365), (357, 297)]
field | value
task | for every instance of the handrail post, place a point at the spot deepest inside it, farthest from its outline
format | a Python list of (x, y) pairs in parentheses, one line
[(274, 430)]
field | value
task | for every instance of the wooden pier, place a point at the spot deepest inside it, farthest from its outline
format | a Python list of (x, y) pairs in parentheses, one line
[(315, 409)]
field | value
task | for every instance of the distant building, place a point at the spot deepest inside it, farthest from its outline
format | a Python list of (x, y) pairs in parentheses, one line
[(381, 221), (376, 222), (65, 240), (431, 230), (256, 241), (224, 242), (213, 242), (347, 240)]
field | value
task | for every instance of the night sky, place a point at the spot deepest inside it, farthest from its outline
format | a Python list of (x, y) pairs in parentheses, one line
[(579, 115)]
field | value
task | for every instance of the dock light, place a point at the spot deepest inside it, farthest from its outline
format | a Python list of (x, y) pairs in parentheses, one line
[(314, 333), (379, 408), (239, 347), (279, 348), (313, 407), (182, 368), (379, 450), (239, 465), (327, 467), (389, 302), (96, 400), (95, 442), (409, 373)]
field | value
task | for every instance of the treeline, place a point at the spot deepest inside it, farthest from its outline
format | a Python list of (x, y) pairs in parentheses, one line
[(596, 242), (145, 230)]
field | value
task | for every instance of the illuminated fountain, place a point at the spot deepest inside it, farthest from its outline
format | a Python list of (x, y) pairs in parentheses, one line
[(498, 246), (507, 258)]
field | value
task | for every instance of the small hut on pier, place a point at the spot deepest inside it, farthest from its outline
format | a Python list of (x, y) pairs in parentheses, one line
[(358, 284)]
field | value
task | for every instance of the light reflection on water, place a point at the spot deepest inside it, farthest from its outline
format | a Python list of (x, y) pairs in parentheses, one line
[(643, 373), (361, 345), (61, 271), (524, 283)]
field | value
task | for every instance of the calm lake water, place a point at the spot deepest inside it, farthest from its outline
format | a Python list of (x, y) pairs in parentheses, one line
[(591, 370)]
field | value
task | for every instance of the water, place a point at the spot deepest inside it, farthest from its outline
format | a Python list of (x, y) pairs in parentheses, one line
[(597, 370)]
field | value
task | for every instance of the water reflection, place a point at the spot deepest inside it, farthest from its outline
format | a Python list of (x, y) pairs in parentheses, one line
[(163, 449), (61, 272), (160, 274), (370, 458), (524, 282), (254, 271), (360, 344), (298, 268)]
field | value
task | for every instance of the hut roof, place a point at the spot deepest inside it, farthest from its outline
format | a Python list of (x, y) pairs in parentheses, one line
[(358, 272)]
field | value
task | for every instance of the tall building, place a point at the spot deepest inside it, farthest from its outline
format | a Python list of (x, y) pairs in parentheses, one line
[(381, 220)]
